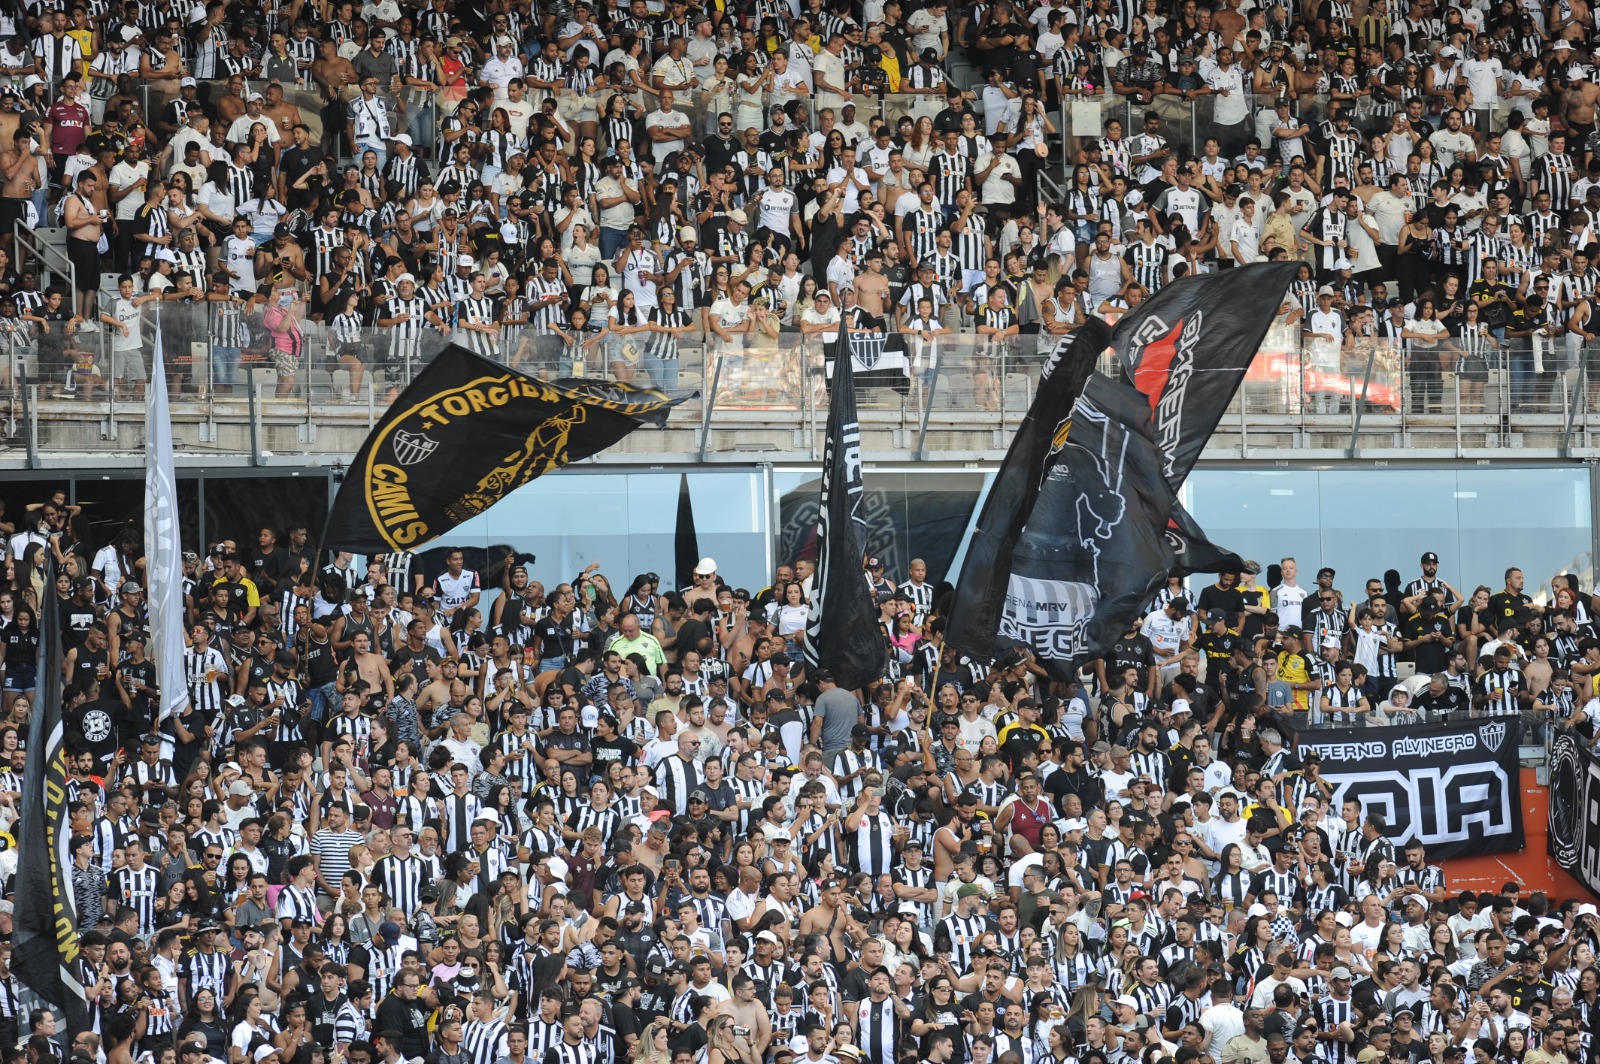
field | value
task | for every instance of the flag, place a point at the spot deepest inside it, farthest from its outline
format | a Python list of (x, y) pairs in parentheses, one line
[(44, 935), (685, 544), (466, 433), (842, 633), (162, 547), (975, 616), (1186, 349), (1094, 549), (1192, 549)]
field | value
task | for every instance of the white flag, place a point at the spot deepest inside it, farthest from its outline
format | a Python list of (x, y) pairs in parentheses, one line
[(163, 552)]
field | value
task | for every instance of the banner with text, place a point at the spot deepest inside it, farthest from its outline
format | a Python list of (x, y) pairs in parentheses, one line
[(1453, 786), (1575, 809)]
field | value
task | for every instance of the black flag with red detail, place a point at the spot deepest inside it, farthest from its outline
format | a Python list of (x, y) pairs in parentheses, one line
[(1186, 349)]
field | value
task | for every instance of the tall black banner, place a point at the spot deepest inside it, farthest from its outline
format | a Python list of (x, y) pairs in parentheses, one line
[(1574, 841), (1094, 549), (842, 633), (45, 924), (1186, 349), (1455, 786), (985, 574), (463, 436)]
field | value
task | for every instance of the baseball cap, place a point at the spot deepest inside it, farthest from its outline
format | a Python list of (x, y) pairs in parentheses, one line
[(463, 260), (1340, 972), (187, 83), (1430, 558)]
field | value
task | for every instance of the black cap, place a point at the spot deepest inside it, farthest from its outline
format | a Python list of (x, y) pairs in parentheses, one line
[(282, 230), (860, 731), (1430, 558), (1326, 570)]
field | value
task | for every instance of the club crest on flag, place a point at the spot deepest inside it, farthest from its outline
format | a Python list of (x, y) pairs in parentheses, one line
[(412, 447), (1492, 735)]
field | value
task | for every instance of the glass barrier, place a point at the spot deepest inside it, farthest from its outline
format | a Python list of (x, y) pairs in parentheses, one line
[(237, 375)]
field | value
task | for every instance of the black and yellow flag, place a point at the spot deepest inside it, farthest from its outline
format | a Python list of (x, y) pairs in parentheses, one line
[(44, 936), (467, 433)]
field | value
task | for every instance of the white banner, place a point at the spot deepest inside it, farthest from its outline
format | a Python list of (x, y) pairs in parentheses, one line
[(162, 548)]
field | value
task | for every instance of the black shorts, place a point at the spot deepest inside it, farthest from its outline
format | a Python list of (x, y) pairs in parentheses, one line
[(13, 211), (85, 256)]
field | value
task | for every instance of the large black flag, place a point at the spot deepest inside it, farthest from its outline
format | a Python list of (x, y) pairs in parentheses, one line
[(842, 633), (985, 573), (1094, 549), (1186, 349), (44, 936), (467, 433)]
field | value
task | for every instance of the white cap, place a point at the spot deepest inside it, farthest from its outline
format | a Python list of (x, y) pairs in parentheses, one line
[(707, 566), (1257, 910), (1343, 264), (402, 138), (31, 80), (1077, 823), (768, 936), (463, 260), (254, 96), (404, 277), (1128, 1000), (1577, 74), (736, 215), (558, 868), (1343, 919), (187, 83), (686, 233)]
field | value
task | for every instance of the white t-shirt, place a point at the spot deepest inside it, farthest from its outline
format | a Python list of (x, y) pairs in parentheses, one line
[(777, 204)]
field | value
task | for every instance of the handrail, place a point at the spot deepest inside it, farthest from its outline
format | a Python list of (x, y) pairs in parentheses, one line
[(44, 253)]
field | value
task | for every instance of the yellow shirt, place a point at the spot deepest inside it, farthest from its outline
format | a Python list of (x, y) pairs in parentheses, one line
[(1293, 668)]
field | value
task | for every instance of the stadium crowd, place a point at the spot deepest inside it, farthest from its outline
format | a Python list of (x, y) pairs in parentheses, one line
[(409, 810)]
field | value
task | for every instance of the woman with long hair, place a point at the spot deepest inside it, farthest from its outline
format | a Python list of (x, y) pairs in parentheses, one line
[(20, 642), (652, 1047)]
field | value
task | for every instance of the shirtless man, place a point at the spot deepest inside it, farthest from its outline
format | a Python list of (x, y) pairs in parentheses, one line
[(20, 166), (282, 255), (749, 1013), (161, 63), (872, 287), (1229, 23), (282, 112), (1577, 107), (372, 667), (831, 919), (85, 225), (334, 73), (231, 104)]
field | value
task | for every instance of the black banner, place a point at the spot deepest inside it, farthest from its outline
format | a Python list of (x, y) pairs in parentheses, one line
[(685, 542), (1186, 349), (467, 433), (44, 936), (986, 572), (1454, 786), (1574, 841), (1094, 549), (842, 633)]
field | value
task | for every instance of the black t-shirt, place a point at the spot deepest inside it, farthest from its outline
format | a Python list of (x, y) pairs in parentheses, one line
[(1453, 700), (22, 647), (1430, 657), (1504, 606), (419, 660), (1131, 651), (96, 722), (555, 639), (608, 750), (294, 162), (1229, 600)]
